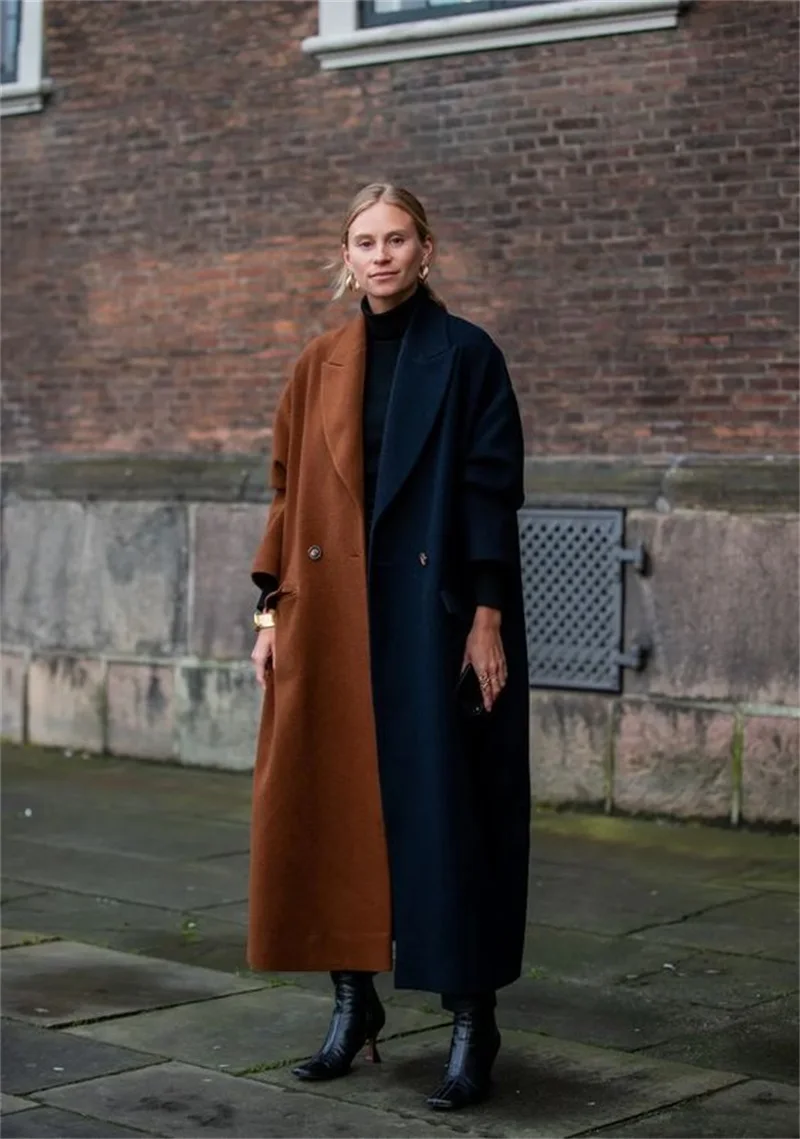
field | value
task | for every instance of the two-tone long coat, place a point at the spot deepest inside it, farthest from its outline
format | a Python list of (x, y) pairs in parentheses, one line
[(379, 812)]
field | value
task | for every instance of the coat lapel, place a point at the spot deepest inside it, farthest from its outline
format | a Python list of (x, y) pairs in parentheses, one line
[(342, 407), (423, 372)]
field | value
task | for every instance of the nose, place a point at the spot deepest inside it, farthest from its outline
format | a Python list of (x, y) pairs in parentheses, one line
[(381, 254)]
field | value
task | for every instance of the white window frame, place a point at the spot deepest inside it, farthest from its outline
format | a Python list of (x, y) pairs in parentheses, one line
[(342, 43), (27, 93)]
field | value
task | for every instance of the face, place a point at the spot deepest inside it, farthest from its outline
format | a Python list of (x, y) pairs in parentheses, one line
[(385, 253)]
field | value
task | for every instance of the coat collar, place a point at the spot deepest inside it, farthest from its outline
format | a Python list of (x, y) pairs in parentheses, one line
[(422, 376), (342, 406), (421, 379)]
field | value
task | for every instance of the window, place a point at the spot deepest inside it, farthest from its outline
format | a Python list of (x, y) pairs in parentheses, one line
[(355, 33), (376, 12), (22, 87), (11, 30)]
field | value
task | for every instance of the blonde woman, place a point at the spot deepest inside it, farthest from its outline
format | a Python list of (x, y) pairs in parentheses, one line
[(391, 789)]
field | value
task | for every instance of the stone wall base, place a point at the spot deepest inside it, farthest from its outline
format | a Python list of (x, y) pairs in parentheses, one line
[(639, 755), (126, 620), (683, 759)]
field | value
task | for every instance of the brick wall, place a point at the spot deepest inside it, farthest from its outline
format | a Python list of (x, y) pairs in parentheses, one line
[(620, 213)]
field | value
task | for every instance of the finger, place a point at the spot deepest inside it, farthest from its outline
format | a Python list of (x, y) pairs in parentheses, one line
[(486, 689)]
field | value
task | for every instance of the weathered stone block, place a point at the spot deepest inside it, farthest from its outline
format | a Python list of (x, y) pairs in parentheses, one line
[(720, 607), (225, 540), (770, 769), (141, 710), (217, 714), (12, 698), (673, 761), (66, 702), (569, 747), (42, 541), (110, 576)]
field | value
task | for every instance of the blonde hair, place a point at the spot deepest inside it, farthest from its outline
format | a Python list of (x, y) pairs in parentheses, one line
[(370, 196)]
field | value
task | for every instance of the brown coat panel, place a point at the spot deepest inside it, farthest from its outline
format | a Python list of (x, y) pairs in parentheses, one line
[(319, 882)]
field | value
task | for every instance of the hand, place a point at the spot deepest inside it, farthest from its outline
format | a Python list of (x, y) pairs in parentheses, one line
[(263, 655), (484, 651)]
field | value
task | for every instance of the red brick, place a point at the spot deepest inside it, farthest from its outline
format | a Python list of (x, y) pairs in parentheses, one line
[(628, 200)]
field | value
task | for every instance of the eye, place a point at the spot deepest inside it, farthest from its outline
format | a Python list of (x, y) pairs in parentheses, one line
[(397, 240), (363, 243)]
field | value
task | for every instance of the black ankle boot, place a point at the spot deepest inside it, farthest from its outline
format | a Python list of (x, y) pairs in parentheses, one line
[(358, 1018), (473, 1049)]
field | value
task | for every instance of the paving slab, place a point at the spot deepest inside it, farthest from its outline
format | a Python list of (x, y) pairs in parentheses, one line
[(12, 1103), (83, 827), (237, 1033), (543, 1087), (230, 911), (592, 959), (60, 982), (770, 877), (320, 983), (599, 900), (722, 980), (606, 1016), (35, 1058), (177, 1099), (731, 1113), (9, 938), (126, 877), (125, 784), (187, 936), (11, 891), (693, 850), (51, 1123), (761, 926), (763, 1042)]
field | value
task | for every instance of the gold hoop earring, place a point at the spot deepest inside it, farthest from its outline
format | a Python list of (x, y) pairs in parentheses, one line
[(423, 273), (351, 282)]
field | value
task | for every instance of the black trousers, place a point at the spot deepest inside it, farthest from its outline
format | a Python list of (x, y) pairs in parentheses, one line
[(463, 1002)]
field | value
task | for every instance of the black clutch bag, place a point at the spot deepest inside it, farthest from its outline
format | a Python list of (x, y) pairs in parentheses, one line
[(469, 695)]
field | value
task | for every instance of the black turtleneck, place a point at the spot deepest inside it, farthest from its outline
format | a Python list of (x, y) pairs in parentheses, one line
[(385, 332)]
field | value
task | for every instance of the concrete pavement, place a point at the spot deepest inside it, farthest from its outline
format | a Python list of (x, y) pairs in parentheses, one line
[(659, 996)]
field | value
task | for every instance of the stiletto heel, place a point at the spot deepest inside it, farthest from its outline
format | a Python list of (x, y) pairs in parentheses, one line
[(357, 1020)]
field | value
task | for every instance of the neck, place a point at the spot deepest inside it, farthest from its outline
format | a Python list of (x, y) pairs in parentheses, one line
[(386, 304)]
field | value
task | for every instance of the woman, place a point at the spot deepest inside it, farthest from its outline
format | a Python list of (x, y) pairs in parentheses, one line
[(383, 811)]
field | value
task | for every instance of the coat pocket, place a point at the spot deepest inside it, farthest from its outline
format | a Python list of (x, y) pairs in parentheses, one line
[(284, 590)]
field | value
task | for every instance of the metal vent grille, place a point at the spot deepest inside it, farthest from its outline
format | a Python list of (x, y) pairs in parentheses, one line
[(573, 589)]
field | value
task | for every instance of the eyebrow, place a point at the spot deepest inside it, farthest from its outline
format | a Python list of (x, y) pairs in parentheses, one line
[(391, 233)]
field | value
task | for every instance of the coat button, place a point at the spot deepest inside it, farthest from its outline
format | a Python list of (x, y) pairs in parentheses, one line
[(423, 559), (315, 553)]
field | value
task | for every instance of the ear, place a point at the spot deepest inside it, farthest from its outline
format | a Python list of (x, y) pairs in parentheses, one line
[(346, 256), (427, 245)]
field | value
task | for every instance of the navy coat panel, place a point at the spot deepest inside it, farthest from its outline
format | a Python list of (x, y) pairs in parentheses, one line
[(455, 791)]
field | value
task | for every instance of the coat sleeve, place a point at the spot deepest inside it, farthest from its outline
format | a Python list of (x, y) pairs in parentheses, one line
[(266, 568), (493, 481)]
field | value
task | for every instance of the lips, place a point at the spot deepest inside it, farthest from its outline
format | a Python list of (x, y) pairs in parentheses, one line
[(382, 276)]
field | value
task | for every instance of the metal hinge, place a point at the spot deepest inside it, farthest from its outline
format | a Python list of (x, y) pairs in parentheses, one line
[(635, 556)]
